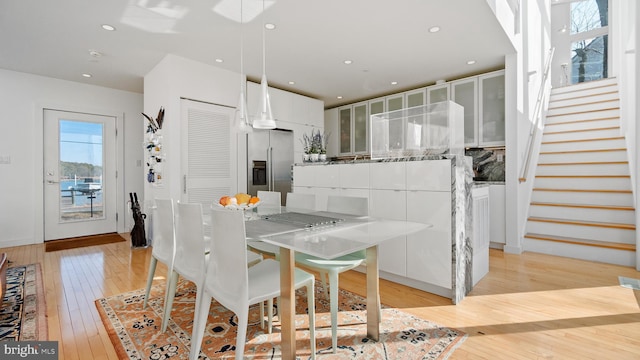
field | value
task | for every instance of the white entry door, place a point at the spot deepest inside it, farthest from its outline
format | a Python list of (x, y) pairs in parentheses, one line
[(79, 174)]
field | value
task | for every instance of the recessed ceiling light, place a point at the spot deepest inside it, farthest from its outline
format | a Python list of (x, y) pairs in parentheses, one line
[(292, 82), (86, 75), (219, 60), (269, 26), (434, 29), (394, 83), (471, 62), (108, 27), (339, 97), (348, 62)]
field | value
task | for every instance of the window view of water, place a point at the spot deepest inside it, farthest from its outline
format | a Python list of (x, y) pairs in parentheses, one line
[(80, 200)]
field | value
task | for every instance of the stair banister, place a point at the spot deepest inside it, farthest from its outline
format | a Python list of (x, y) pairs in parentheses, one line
[(537, 115)]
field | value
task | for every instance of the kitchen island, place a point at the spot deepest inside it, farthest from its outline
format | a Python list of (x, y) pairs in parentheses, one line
[(433, 189)]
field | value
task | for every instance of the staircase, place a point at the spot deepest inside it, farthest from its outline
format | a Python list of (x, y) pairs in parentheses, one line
[(582, 204)]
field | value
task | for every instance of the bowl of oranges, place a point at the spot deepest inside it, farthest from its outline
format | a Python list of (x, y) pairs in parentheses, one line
[(239, 201)]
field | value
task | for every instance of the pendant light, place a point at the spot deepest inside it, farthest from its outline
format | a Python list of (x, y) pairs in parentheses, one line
[(241, 115), (264, 119)]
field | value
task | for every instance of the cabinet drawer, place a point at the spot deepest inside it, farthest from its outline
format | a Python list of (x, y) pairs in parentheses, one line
[(327, 176), (388, 175), (429, 175), (303, 176), (354, 176)]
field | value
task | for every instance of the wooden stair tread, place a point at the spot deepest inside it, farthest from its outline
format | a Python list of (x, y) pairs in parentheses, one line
[(585, 190), (585, 206), (581, 151), (587, 242), (585, 163), (583, 104), (584, 176), (583, 140), (583, 112), (582, 121), (581, 130), (584, 96), (584, 223)]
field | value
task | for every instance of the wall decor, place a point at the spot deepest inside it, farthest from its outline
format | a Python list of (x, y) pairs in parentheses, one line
[(153, 145)]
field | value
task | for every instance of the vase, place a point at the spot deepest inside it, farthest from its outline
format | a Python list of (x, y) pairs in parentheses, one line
[(314, 157), (305, 157), (322, 157)]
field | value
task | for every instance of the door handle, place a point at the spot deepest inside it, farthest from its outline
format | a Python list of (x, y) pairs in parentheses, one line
[(52, 182), (273, 175)]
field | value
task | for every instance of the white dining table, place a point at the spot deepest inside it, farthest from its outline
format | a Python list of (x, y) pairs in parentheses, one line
[(327, 242)]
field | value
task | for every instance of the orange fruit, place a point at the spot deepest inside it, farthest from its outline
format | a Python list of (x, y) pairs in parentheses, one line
[(242, 198), (225, 200), (254, 199)]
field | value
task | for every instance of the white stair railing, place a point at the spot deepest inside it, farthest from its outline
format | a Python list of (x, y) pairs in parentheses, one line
[(537, 116)]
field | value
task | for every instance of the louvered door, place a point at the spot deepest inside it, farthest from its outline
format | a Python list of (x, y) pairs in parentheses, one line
[(209, 166)]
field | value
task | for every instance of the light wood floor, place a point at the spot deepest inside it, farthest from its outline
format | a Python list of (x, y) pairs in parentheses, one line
[(529, 306)]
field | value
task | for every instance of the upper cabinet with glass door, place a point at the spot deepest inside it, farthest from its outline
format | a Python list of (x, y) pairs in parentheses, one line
[(492, 109), (354, 124), (465, 93)]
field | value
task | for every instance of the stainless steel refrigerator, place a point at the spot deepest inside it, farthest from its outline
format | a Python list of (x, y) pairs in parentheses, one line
[(269, 161)]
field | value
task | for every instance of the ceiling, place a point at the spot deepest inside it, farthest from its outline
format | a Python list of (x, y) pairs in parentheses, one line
[(386, 41)]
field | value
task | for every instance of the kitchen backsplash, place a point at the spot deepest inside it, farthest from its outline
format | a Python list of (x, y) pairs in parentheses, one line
[(488, 164)]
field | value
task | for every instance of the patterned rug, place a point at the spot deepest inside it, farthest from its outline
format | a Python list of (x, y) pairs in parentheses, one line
[(135, 332), (23, 314)]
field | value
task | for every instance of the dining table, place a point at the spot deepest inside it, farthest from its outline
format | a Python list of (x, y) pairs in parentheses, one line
[(325, 235)]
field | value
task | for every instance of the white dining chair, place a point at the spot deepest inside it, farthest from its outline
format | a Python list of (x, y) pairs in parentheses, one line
[(301, 201), (192, 252), (163, 242), (355, 206), (236, 287), (270, 198)]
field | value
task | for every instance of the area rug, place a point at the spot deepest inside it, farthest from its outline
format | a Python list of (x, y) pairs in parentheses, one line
[(135, 332), (82, 241), (23, 314)]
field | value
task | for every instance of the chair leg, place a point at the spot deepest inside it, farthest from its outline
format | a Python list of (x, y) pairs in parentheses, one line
[(170, 293), (200, 319), (333, 302), (241, 336), (262, 315), (152, 270), (269, 316), (311, 303)]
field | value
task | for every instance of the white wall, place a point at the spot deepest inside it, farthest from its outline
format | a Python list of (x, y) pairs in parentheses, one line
[(22, 98), (173, 78)]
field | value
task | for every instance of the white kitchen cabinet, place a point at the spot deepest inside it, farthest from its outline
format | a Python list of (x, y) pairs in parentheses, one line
[(432, 175), (388, 175), (416, 98), (332, 127), (304, 176), (346, 125), (465, 93), (480, 233), (497, 214), (428, 256), (418, 191), (437, 93), (492, 109), (390, 204), (354, 176)]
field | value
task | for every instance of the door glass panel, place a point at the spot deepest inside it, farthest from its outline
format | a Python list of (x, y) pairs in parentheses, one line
[(589, 59), (465, 95), (80, 168), (360, 128), (345, 130)]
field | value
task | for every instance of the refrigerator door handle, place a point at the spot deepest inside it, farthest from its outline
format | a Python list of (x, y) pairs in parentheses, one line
[(269, 168), (272, 185)]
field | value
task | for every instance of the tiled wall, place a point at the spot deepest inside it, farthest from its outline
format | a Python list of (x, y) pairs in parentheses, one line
[(488, 164)]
